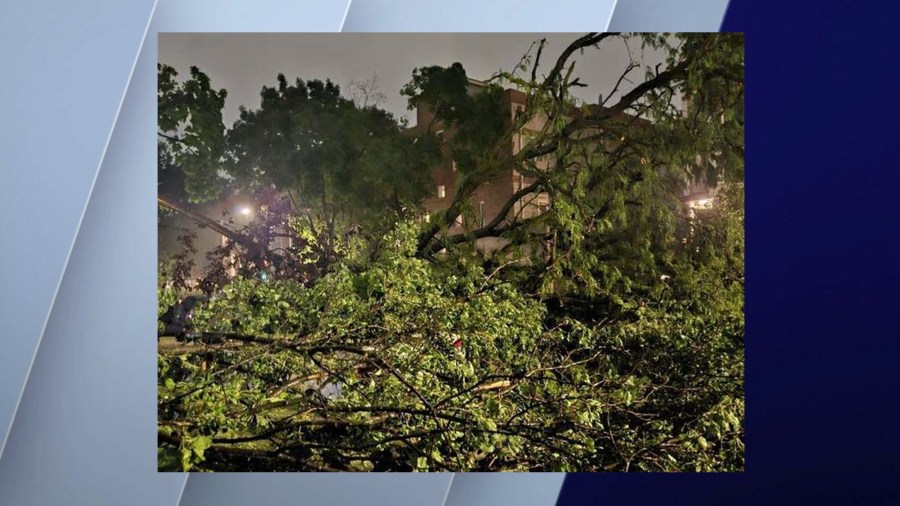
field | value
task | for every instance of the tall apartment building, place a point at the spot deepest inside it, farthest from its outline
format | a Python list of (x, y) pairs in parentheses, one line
[(488, 200), (490, 197)]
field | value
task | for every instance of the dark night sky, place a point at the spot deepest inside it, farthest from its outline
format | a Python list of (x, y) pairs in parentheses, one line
[(243, 63)]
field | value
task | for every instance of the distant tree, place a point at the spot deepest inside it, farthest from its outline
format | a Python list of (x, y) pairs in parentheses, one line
[(345, 164), (349, 169), (192, 134), (367, 93)]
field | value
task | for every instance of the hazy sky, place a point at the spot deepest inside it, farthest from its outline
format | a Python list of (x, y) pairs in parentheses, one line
[(243, 63)]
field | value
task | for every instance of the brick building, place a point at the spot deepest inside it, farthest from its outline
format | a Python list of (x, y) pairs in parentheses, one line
[(490, 196), (488, 200)]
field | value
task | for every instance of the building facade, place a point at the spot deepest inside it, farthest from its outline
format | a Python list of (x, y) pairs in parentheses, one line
[(489, 199)]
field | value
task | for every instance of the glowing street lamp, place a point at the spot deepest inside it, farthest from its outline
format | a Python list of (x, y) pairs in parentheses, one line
[(245, 210)]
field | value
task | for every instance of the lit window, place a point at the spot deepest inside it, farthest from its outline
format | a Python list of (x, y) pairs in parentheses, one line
[(441, 191), (453, 165)]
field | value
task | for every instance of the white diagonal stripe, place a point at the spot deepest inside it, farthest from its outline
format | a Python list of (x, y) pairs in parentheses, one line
[(447, 493), (611, 12), (341, 29), (187, 476)]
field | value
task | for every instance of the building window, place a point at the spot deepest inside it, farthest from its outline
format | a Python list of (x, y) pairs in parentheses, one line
[(519, 111), (481, 213), (453, 165), (441, 191), (459, 221)]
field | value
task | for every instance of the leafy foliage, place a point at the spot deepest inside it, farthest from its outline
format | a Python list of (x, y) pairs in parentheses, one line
[(606, 335), (339, 159), (446, 367), (190, 120)]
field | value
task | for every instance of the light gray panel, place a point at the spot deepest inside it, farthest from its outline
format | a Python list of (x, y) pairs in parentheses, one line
[(668, 15), (312, 489), (85, 430), (505, 489), (477, 16), (64, 68)]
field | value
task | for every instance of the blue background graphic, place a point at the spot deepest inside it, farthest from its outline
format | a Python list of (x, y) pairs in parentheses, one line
[(822, 279), (78, 253)]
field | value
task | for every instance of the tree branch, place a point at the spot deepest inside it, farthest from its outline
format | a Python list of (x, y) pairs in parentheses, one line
[(203, 220)]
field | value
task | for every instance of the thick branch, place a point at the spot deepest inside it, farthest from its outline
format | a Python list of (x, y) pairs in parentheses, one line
[(203, 220), (489, 230), (590, 39)]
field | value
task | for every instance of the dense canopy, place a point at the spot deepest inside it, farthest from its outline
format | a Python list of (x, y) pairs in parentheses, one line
[(607, 334)]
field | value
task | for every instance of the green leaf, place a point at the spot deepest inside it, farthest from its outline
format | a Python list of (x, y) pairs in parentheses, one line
[(702, 442)]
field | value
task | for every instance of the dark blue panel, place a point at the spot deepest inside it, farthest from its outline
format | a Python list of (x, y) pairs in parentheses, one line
[(823, 99)]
